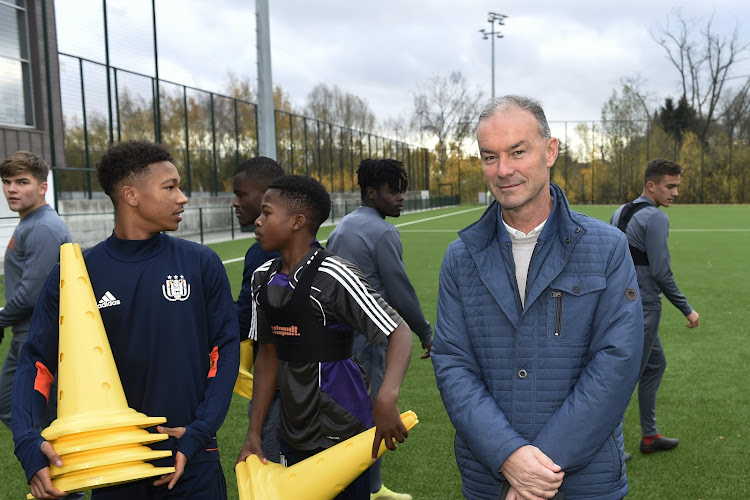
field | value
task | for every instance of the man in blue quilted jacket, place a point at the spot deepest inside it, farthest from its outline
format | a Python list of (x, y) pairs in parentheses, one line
[(539, 337)]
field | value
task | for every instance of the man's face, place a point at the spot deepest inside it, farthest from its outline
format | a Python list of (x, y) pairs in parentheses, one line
[(24, 193), (160, 200), (248, 196), (386, 201), (664, 191), (515, 158), (275, 224)]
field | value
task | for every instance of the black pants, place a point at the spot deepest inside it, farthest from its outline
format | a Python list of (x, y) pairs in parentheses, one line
[(201, 481)]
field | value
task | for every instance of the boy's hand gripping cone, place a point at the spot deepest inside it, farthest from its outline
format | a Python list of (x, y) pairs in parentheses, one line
[(99, 438), (320, 477)]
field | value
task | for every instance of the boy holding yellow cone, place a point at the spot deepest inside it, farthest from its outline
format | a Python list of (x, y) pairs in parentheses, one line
[(168, 312), (308, 303)]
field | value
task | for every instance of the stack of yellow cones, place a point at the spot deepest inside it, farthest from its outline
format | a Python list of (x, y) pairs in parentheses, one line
[(320, 477), (244, 384), (99, 438)]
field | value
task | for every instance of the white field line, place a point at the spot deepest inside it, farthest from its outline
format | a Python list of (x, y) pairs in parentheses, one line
[(238, 259)]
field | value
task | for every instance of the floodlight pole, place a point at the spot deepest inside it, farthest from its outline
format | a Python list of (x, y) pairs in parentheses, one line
[(266, 115), (493, 17)]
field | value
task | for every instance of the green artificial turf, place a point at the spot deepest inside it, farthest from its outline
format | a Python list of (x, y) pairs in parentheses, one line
[(704, 398)]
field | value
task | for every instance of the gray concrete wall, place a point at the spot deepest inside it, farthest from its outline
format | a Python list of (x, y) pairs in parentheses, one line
[(91, 221)]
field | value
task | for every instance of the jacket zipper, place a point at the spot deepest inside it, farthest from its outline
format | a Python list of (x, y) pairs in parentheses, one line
[(557, 294), (619, 457)]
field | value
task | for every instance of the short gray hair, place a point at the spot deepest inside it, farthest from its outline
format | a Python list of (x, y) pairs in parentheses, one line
[(519, 102)]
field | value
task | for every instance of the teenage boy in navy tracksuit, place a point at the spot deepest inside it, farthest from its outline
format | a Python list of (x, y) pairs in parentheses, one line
[(168, 312), (308, 303), (249, 184)]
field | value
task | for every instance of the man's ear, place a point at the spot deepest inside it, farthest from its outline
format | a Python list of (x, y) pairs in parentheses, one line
[(650, 186), (299, 222), (129, 195), (371, 193), (43, 186), (553, 149)]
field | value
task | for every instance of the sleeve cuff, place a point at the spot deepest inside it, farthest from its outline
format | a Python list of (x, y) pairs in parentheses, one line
[(29, 453), (190, 443), (505, 452)]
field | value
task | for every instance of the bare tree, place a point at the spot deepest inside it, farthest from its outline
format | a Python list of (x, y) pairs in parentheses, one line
[(704, 61), (331, 104), (736, 111), (444, 107)]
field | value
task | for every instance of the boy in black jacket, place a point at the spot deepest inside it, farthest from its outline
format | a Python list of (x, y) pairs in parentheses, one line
[(308, 304)]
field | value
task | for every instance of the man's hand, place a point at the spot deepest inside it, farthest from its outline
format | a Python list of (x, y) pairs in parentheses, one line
[(180, 460), (532, 474), (41, 484), (692, 319), (512, 495), (252, 446), (428, 349), (388, 425)]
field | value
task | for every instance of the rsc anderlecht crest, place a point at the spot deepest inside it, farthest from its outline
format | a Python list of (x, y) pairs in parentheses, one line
[(176, 288)]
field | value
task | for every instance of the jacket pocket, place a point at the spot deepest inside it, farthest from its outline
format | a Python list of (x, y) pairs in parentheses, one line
[(572, 303)]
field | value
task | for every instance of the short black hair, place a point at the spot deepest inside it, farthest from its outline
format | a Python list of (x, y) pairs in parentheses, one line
[(128, 159), (306, 195), (375, 173), (260, 168), (658, 168)]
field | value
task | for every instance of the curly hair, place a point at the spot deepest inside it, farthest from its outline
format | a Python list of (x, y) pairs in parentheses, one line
[(128, 160), (374, 173), (260, 168), (24, 161), (306, 195), (658, 168)]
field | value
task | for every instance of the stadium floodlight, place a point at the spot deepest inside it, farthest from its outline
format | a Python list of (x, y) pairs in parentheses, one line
[(492, 18)]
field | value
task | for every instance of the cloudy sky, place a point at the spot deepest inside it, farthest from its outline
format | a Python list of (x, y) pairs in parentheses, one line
[(571, 54)]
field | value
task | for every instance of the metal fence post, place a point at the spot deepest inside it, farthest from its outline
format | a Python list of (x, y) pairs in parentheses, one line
[(85, 129), (200, 221), (187, 144), (213, 147)]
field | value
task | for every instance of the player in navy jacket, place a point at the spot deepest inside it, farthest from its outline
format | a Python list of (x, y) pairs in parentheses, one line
[(249, 184), (167, 308)]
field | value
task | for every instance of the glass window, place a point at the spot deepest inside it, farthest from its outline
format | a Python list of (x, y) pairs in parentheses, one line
[(16, 106)]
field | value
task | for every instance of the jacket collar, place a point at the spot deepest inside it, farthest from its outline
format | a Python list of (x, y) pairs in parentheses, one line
[(488, 243), (489, 227)]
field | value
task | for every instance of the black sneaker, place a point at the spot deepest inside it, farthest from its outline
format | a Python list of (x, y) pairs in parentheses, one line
[(661, 443)]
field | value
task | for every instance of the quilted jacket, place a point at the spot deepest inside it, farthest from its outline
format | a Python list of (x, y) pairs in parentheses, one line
[(558, 373)]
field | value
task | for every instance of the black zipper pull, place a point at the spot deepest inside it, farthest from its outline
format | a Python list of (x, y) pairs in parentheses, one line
[(557, 294)]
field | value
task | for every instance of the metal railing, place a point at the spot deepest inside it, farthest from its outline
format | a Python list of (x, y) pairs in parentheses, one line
[(207, 133)]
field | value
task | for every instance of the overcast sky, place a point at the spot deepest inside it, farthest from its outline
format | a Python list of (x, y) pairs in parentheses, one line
[(571, 55)]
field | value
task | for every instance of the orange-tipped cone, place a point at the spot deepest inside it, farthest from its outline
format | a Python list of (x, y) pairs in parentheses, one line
[(320, 477), (244, 384), (97, 435)]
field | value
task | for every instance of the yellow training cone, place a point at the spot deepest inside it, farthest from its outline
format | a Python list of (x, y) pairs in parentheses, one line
[(244, 384), (90, 395), (320, 477), (97, 435)]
